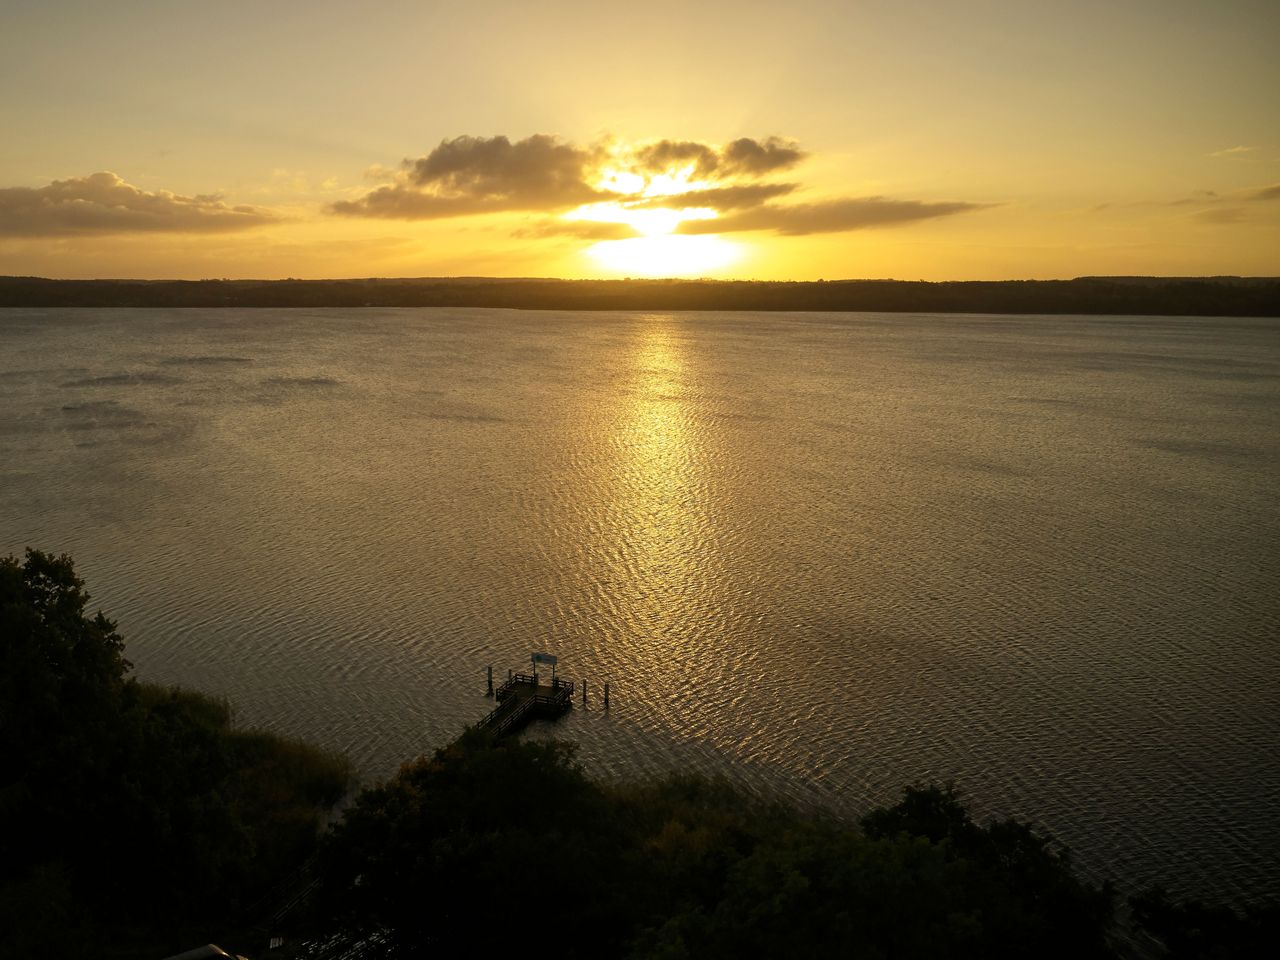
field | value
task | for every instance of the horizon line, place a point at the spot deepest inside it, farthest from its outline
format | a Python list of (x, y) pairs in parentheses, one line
[(545, 279)]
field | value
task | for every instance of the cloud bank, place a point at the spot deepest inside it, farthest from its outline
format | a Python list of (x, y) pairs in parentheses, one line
[(470, 175), (546, 175), (723, 198), (744, 157), (832, 216), (103, 203)]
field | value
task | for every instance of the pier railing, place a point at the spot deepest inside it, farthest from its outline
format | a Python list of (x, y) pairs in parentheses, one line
[(560, 688), (521, 697)]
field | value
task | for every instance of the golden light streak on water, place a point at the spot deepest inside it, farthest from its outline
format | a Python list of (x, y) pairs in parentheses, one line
[(659, 497)]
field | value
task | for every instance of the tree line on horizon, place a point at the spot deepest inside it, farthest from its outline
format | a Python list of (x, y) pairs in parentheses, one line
[(139, 822), (1152, 296)]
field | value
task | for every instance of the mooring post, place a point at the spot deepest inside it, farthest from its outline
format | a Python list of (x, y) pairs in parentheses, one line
[(508, 673), (606, 695), (490, 693)]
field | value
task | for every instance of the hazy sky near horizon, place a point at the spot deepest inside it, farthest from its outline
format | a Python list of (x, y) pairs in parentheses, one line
[(909, 139)]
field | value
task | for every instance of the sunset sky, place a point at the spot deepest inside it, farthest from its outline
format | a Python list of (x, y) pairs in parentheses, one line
[(908, 139)]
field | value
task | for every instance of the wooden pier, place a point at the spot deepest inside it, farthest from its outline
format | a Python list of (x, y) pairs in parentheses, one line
[(524, 697)]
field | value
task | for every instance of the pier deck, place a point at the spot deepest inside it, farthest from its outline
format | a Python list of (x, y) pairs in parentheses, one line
[(524, 697)]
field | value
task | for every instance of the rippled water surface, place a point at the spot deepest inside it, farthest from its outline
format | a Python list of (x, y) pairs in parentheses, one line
[(823, 554)]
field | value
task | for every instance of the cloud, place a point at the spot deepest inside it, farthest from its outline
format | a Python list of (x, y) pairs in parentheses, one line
[(1198, 197), (734, 197), (832, 216), (540, 170), (473, 175), (755, 158), (577, 229), (403, 202), (377, 173), (1220, 212), (1212, 207), (1216, 208), (1207, 200), (102, 203), (665, 155), (1263, 193), (1233, 151), (617, 189), (469, 175), (1220, 215), (742, 157)]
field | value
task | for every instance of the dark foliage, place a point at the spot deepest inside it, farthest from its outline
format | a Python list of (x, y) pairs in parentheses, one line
[(687, 868), (1191, 930), (471, 833), (131, 817)]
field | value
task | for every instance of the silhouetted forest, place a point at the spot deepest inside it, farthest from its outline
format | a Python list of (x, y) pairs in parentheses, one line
[(138, 822), (1153, 296), (133, 819), (427, 863), (688, 868)]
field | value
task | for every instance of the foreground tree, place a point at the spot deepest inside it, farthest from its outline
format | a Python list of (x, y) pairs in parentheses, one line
[(1191, 930), (475, 831), (132, 818), (688, 868)]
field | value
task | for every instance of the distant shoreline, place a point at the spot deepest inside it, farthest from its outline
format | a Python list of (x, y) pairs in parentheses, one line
[(1132, 296)]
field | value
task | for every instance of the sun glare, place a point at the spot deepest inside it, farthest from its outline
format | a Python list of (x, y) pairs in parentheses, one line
[(658, 251), (649, 221), (620, 181), (673, 183), (669, 255)]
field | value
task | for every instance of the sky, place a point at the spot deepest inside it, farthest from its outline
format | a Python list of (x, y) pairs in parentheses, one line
[(913, 139)]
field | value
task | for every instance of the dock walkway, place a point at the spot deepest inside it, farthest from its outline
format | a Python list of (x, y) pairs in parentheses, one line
[(522, 698)]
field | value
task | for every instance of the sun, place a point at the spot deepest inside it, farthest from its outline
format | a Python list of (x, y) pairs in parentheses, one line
[(658, 251), (649, 204), (665, 255)]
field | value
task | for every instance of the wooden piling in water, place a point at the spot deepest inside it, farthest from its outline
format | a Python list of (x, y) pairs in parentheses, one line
[(606, 695), (490, 693), (584, 691)]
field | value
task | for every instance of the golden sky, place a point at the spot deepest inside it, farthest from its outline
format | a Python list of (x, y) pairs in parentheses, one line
[(912, 139)]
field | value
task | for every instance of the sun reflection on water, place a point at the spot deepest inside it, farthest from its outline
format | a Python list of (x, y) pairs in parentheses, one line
[(662, 506)]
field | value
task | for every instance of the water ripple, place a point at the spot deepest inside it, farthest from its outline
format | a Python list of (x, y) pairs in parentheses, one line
[(822, 555)]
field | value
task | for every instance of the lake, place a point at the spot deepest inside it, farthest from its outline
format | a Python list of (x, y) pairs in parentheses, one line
[(825, 555)]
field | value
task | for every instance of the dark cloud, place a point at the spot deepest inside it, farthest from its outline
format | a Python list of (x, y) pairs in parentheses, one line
[(403, 202), (747, 156), (102, 203), (1264, 193), (743, 157), (468, 175), (676, 154), (833, 216), (540, 170), (735, 197)]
